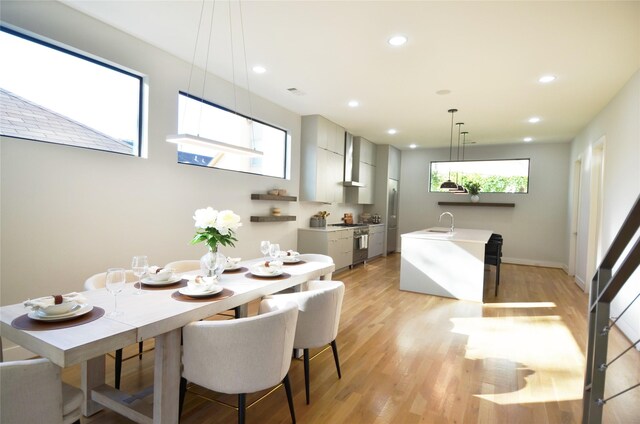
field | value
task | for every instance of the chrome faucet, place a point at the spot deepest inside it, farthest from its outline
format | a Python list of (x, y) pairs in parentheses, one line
[(451, 215)]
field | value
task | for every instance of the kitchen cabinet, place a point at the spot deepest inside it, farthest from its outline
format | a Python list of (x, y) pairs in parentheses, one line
[(335, 243), (394, 164), (364, 171), (376, 240), (322, 160)]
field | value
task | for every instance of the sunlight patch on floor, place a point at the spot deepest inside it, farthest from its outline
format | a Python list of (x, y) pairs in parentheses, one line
[(539, 350), (526, 305)]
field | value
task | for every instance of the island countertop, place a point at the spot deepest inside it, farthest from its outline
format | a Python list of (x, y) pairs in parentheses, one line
[(459, 234)]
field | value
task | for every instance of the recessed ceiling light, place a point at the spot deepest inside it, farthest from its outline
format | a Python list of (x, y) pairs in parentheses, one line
[(259, 69), (392, 131), (413, 146), (546, 78), (397, 40), (443, 92), (527, 139), (534, 120), (353, 103)]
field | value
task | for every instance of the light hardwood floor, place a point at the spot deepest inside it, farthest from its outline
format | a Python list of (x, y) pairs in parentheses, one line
[(413, 358)]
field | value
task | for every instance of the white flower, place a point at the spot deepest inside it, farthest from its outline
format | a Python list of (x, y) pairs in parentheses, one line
[(227, 221), (205, 217)]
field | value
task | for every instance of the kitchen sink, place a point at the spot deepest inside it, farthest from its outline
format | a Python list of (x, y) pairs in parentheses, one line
[(433, 230)]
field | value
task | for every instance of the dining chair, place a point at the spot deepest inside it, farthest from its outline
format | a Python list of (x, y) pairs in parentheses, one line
[(98, 281), (241, 356), (184, 265), (32, 391), (316, 257), (318, 320), (493, 255)]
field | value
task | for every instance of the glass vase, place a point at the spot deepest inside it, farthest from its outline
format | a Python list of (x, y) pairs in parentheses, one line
[(213, 262)]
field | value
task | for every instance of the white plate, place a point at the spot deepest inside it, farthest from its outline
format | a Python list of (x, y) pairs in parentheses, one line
[(290, 259), (233, 267), (258, 273), (187, 291), (150, 282), (43, 313), (83, 309)]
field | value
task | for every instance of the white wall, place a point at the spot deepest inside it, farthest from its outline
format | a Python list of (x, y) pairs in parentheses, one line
[(618, 124), (535, 230), (68, 213)]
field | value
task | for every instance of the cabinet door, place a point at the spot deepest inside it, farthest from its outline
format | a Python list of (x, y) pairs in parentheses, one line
[(336, 143), (394, 163), (367, 152), (334, 174), (325, 130), (322, 192), (367, 177), (376, 244)]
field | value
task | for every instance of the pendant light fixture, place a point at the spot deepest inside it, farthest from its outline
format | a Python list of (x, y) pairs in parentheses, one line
[(459, 189), (205, 142), (450, 184), (464, 142)]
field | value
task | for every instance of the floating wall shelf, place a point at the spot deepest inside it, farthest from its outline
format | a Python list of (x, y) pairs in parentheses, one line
[(272, 197), (272, 218), (500, 205)]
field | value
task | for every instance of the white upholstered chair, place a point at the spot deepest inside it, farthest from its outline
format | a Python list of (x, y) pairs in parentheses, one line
[(98, 281), (318, 258), (241, 356), (33, 392), (184, 265), (318, 319)]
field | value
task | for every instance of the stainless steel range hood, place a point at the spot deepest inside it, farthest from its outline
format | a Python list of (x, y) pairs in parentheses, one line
[(350, 180)]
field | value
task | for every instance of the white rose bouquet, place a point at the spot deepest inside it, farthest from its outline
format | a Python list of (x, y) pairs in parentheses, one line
[(215, 227)]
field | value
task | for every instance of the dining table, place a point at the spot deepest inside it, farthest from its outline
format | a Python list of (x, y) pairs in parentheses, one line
[(159, 313)]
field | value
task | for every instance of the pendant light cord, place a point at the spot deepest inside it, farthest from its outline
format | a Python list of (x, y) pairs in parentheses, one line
[(206, 64), (193, 62), (246, 69)]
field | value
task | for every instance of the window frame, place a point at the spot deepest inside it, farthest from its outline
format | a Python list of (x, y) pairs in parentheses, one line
[(483, 160), (89, 58), (233, 112)]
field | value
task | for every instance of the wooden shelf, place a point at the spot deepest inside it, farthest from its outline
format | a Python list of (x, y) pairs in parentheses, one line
[(272, 218), (499, 205), (272, 197)]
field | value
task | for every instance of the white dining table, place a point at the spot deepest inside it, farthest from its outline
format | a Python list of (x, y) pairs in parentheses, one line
[(154, 314)]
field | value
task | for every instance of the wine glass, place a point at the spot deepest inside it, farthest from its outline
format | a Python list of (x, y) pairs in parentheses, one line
[(264, 247), (139, 266), (274, 251), (214, 263), (114, 284)]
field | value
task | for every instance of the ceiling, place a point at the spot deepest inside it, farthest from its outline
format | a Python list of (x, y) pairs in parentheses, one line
[(488, 55)]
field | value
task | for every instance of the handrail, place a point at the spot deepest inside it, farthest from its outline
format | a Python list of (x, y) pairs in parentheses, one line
[(604, 288)]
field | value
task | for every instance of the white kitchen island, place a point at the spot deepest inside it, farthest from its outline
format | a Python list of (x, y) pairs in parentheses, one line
[(438, 262)]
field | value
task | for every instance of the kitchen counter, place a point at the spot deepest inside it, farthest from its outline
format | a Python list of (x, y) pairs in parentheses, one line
[(437, 262), (329, 227)]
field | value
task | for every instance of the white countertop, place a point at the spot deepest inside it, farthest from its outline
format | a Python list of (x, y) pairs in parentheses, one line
[(459, 234), (329, 227)]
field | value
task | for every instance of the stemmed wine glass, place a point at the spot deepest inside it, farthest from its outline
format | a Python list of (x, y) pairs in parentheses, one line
[(139, 266), (264, 247), (114, 283), (274, 251)]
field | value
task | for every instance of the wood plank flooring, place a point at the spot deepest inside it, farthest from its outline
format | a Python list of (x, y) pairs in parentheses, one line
[(413, 358)]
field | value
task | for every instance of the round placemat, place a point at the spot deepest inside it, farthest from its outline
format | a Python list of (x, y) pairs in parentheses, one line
[(282, 276), (234, 271), (23, 322), (294, 263), (176, 285), (218, 296)]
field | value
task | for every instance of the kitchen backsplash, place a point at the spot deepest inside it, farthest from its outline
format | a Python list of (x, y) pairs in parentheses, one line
[(336, 210)]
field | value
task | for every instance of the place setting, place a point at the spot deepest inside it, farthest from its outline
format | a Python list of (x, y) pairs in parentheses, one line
[(203, 289), (233, 266), (57, 311), (158, 278)]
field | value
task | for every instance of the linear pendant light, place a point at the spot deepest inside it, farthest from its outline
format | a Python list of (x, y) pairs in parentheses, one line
[(450, 184), (459, 189), (204, 142)]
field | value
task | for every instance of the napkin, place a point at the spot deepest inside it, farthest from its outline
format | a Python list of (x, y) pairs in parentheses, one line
[(155, 269), (43, 302), (269, 267), (290, 253)]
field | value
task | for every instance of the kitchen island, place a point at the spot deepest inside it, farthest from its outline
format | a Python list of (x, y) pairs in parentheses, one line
[(439, 262)]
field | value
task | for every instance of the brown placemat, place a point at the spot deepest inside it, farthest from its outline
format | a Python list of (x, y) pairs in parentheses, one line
[(176, 285), (282, 276), (234, 271), (23, 322), (294, 263), (218, 296)]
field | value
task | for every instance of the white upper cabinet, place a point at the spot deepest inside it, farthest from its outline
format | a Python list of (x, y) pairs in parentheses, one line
[(394, 163), (364, 171), (322, 160)]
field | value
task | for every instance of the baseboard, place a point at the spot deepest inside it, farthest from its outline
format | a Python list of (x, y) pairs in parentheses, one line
[(580, 283), (532, 262)]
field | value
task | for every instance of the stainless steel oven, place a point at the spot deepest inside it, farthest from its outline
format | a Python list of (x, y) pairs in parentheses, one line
[(360, 244)]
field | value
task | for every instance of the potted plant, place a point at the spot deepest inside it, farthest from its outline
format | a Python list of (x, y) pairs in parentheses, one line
[(473, 187)]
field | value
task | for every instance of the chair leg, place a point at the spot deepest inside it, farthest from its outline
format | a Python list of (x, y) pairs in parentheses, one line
[(183, 392), (287, 388), (237, 312), (242, 407), (334, 347), (139, 350), (118, 367), (306, 373), (497, 276)]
